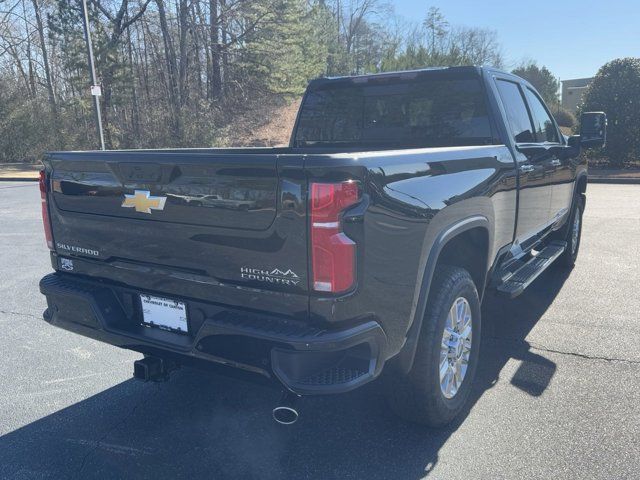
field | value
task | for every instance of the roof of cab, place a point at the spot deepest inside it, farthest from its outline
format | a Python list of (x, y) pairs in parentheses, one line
[(461, 71), (402, 74)]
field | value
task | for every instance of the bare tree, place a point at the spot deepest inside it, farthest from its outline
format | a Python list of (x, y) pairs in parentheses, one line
[(118, 25), (45, 58), (197, 72)]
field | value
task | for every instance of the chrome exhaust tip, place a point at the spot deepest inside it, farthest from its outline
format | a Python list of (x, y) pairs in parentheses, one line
[(285, 412), (285, 415)]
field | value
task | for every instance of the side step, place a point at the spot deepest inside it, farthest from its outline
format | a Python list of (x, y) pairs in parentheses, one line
[(521, 278)]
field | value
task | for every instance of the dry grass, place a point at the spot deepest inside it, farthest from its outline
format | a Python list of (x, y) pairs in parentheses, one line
[(25, 171)]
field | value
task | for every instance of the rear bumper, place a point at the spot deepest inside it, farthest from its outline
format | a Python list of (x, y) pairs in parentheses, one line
[(304, 359)]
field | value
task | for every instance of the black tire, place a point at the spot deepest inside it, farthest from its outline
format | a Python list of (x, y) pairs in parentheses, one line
[(418, 396), (569, 256)]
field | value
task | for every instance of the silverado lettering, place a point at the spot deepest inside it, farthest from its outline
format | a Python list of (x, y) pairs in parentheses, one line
[(75, 249)]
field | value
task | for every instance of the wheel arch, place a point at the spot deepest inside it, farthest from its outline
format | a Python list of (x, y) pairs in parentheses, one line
[(581, 183), (446, 250), (579, 189)]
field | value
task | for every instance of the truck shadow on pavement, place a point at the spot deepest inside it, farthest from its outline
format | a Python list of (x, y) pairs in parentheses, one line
[(200, 425)]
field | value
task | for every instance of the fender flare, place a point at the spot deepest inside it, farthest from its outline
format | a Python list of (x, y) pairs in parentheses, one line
[(575, 194), (579, 178), (576, 188), (407, 353)]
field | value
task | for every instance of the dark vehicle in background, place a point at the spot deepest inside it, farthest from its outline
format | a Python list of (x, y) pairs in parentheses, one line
[(366, 245)]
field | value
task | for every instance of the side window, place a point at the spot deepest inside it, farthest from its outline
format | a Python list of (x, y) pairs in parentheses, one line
[(517, 114), (545, 130)]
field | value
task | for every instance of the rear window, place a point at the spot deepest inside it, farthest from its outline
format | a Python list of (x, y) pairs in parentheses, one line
[(400, 114)]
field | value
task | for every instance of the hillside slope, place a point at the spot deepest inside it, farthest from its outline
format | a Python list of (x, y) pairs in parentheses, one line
[(273, 129)]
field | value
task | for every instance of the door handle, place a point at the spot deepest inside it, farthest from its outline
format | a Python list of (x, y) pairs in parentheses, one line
[(527, 168), (555, 162)]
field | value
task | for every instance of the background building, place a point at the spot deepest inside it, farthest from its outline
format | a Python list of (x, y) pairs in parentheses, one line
[(572, 92)]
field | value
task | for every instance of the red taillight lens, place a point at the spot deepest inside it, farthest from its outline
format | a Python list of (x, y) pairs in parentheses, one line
[(44, 188), (333, 254)]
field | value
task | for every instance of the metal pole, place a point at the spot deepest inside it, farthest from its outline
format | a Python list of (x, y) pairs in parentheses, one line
[(92, 69)]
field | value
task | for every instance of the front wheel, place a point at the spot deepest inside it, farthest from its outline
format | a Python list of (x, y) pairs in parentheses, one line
[(573, 234), (438, 386)]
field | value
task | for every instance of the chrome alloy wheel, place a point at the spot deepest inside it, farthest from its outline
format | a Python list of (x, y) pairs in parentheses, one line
[(455, 348), (575, 232)]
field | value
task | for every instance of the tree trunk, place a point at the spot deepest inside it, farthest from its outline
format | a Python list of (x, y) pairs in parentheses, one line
[(135, 112), (32, 74), (195, 35), (107, 81), (45, 58), (47, 70), (216, 71), (225, 51), (183, 20), (172, 70), (205, 41)]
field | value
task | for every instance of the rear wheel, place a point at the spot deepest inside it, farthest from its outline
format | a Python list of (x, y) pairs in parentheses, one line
[(438, 386), (573, 234)]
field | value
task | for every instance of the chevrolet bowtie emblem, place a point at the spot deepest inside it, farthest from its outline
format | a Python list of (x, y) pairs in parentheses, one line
[(143, 202)]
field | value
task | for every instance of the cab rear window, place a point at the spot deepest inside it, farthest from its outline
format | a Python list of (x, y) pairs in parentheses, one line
[(403, 114)]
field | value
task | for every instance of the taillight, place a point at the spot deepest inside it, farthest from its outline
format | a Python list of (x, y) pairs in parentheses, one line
[(333, 254), (44, 188)]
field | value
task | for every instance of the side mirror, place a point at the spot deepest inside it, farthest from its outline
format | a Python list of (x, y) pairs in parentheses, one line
[(593, 129)]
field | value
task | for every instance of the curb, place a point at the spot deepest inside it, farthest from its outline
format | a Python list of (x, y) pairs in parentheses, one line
[(18, 179), (618, 181)]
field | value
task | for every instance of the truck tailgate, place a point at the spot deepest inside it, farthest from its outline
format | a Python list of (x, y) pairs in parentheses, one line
[(223, 220)]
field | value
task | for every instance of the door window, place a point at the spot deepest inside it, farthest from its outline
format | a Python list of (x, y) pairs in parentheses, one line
[(517, 114), (545, 130)]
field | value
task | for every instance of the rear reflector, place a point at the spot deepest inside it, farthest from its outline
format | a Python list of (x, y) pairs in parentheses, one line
[(333, 256), (44, 188)]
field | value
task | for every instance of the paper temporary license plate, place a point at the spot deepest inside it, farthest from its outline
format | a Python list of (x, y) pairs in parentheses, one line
[(164, 313)]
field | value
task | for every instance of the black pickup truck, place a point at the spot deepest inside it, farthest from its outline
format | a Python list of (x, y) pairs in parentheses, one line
[(366, 245)]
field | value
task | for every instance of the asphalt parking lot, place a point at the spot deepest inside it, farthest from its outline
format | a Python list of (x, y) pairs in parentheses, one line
[(558, 394)]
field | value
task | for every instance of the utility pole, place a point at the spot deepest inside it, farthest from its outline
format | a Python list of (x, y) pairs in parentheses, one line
[(95, 88)]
